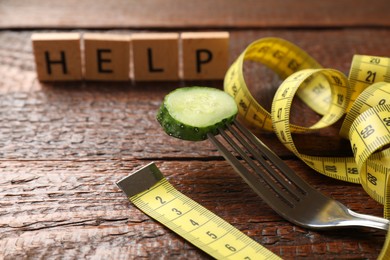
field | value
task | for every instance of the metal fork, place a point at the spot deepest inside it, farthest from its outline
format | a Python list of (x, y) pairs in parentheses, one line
[(281, 188)]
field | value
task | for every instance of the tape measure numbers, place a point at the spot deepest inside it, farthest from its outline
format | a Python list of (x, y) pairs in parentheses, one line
[(365, 71), (339, 168), (326, 91), (282, 57), (155, 196), (376, 94), (330, 94)]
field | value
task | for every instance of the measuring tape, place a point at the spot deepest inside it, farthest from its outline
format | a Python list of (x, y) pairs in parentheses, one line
[(154, 195), (364, 96)]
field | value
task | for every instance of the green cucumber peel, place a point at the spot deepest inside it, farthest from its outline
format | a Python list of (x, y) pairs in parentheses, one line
[(190, 113)]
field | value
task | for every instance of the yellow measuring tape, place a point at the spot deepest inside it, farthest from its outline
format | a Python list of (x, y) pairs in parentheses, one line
[(153, 194), (364, 96), (365, 99)]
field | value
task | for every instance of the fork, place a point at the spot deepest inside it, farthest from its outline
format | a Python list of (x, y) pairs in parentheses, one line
[(281, 188)]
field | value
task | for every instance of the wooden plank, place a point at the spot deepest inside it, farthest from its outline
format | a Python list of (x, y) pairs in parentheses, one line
[(192, 14), (77, 119), (73, 209), (62, 146)]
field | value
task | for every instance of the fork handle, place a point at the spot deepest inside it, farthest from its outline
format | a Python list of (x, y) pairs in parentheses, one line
[(364, 220)]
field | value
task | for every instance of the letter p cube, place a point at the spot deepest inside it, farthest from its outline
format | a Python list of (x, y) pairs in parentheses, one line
[(205, 55)]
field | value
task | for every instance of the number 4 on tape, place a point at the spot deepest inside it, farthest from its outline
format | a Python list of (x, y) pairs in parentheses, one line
[(155, 196)]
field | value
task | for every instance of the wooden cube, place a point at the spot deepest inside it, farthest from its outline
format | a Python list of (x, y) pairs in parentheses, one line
[(205, 55), (155, 56), (107, 57), (57, 56)]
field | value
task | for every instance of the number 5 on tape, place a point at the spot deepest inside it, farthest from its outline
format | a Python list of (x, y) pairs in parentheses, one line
[(154, 195)]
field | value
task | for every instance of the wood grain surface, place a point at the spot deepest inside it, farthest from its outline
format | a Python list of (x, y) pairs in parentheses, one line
[(63, 145), (192, 14)]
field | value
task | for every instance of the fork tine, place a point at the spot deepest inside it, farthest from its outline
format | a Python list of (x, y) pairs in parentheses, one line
[(272, 157), (268, 195), (279, 177), (309, 208)]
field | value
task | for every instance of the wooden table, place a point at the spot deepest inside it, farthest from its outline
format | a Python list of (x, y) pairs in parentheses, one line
[(63, 145)]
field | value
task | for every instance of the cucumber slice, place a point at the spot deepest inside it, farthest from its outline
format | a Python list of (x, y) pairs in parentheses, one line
[(190, 113)]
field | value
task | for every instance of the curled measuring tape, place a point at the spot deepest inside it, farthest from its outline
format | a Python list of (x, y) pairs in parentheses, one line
[(364, 96)]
